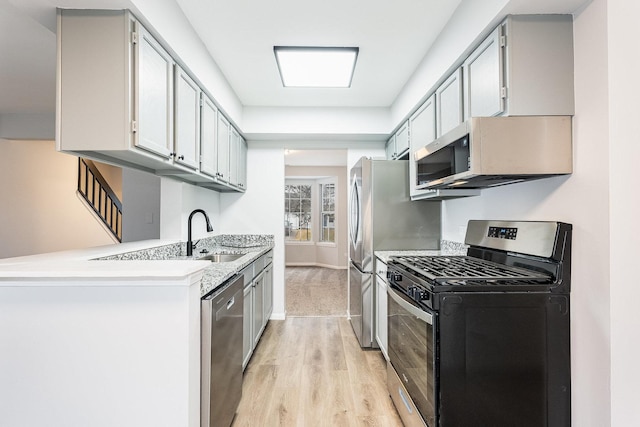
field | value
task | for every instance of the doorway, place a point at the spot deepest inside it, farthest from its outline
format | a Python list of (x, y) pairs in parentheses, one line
[(315, 228)]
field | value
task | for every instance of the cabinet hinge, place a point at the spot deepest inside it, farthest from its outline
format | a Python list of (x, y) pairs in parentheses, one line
[(503, 92), (134, 126), (201, 102), (134, 37), (503, 41)]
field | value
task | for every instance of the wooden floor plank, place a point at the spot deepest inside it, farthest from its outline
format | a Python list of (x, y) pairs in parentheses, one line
[(310, 371)]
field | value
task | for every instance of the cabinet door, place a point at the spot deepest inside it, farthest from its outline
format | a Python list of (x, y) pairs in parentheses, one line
[(422, 125), (402, 140), (268, 292), (381, 315), (258, 307), (234, 150), (208, 137), (242, 165), (224, 135), (390, 148), (154, 100), (449, 103), (484, 78), (187, 119), (422, 130), (247, 323)]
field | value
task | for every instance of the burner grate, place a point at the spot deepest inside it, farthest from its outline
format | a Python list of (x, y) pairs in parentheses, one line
[(439, 268)]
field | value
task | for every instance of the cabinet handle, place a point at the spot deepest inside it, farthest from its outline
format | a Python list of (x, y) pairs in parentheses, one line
[(180, 157), (172, 154)]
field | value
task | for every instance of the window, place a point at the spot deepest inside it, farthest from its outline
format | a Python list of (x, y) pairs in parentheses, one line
[(327, 213), (297, 212)]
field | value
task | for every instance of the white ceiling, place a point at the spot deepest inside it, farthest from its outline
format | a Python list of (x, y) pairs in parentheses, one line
[(393, 38)]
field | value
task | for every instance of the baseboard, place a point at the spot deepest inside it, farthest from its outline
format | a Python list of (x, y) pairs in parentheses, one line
[(311, 264), (278, 316)]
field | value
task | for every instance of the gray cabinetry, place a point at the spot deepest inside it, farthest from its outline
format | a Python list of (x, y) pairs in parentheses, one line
[(258, 302), (187, 120), (449, 103), (381, 306), (422, 130), (524, 67), (153, 107), (247, 337), (234, 152), (208, 137), (242, 164), (398, 145), (123, 99), (224, 136), (390, 148), (484, 90)]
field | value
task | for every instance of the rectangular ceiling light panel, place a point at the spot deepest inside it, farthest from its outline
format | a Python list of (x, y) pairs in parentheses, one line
[(316, 66)]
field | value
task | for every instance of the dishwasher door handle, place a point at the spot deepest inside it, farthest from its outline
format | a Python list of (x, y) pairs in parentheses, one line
[(231, 302)]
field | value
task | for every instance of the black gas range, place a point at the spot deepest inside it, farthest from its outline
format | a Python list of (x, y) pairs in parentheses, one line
[(483, 338)]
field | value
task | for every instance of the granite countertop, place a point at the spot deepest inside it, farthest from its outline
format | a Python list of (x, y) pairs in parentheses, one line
[(251, 246), (154, 259)]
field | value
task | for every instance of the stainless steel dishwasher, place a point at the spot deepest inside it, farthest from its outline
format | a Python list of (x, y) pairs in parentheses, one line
[(221, 360)]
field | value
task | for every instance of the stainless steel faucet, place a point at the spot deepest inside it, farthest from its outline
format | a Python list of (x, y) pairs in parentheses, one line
[(190, 244)]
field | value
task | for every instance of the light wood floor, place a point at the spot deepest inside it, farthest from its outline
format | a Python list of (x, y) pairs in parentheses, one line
[(310, 371)]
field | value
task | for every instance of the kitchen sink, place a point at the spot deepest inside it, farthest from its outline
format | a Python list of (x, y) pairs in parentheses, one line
[(221, 257)]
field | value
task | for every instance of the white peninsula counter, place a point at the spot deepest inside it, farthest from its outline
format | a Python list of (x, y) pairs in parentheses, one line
[(101, 343)]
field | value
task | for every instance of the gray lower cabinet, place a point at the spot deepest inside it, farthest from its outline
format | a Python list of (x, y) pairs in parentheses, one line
[(247, 338), (258, 303), (268, 291), (258, 307), (381, 306)]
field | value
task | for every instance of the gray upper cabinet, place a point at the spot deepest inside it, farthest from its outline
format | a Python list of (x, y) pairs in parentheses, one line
[(523, 68), (208, 137), (449, 103), (402, 140), (422, 130), (483, 78), (153, 117), (224, 136), (390, 148), (187, 120), (123, 99), (234, 152), (242, 165), (398, 145)]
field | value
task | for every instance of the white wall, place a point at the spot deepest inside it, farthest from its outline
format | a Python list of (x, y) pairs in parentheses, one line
[(141, 205), (40, 209), (581, 199), (179, 199), (260, 210), (624, 152)]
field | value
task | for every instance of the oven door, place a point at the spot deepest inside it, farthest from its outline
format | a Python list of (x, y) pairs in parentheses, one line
[(412, 353)]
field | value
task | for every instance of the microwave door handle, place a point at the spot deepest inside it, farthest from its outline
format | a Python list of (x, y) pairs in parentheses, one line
[(415, 311)]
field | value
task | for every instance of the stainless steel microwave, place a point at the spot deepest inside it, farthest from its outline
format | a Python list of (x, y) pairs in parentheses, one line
[(489, 151)]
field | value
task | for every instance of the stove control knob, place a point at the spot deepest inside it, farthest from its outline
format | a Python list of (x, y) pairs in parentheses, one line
[(395, 277)]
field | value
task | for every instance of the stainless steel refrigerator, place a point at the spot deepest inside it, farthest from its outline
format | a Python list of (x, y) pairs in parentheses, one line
[(382, 217)]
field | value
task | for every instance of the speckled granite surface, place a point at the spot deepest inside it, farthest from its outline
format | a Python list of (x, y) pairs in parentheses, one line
[(446, 248), (251, 245)]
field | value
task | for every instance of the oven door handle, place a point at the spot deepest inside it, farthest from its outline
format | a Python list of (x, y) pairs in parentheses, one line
[(416, 311)]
